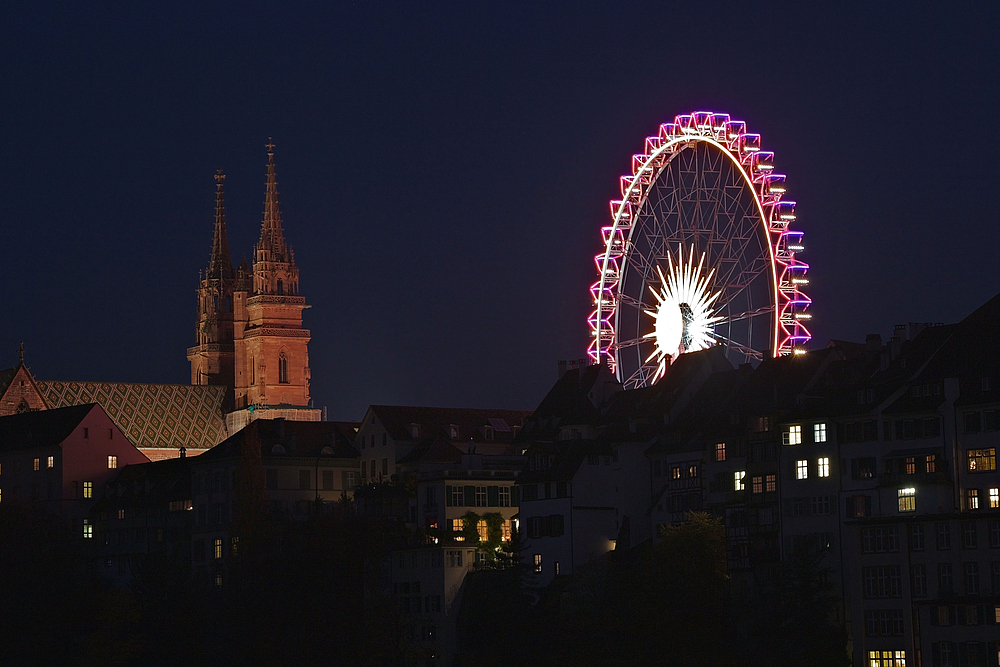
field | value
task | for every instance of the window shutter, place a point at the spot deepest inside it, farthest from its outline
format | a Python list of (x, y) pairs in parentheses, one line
[(868, 505), (515, 496), (493, 496), (447, 495), (470, 496)]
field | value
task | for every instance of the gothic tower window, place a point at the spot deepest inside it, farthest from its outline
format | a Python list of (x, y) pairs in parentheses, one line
[(282, 364), (253, 369), (281, 287)]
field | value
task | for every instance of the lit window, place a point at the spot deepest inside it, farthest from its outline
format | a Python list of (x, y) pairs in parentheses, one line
[(483, 530), (218, 581), (218, 548), (758, 484), (982, 459), (886, 658), (907, 500), (36, 464), (88, 529), (693, 470), (112, 462), (972, 499), (538, 562), (823, 467), (505, 528), (911, 465), (819, 432), (738, 483), (50, 462), (720, 451), (121, 514), (88, 489), (794, 435), (994, 499), (457, 526), (930, 463), (801, 469), (675, 472), (771, 483)]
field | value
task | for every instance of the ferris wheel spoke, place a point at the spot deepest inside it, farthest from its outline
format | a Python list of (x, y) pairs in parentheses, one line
[(748, 352), (747, 314)]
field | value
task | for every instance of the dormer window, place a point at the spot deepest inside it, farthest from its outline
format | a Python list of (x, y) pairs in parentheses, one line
[(277, 449), (453, 431), (488, 432), (414, 431), (327, 451)]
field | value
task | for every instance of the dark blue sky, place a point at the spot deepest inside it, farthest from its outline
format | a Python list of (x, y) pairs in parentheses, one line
[(445, 168)]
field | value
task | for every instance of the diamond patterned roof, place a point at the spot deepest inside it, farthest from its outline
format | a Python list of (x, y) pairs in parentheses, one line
[(151, 415)]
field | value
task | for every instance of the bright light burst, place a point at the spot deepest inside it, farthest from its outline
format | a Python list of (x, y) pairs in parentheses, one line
[(685, 319)]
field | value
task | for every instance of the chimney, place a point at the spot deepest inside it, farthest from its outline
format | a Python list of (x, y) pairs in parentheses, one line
[(917, 327), (873, 342), (898, 338), (562, 368), (183, 452)]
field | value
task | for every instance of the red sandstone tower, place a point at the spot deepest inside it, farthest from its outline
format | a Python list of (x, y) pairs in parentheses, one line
[(250, 323), (212, 359)]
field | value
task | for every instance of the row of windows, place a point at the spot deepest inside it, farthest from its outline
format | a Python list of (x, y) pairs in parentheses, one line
[(374, 468), (972, 498), (678, 470), (546, 526), (822, 468), (327, 479), (479, 496), (972, 584), (987, 420), (482, 528), (50, 462), (371, 439), (547, 490), (412, 605), (814, 506), (793, 436), (885, 539)]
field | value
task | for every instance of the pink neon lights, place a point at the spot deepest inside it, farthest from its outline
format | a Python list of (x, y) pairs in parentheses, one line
[(789, 273)]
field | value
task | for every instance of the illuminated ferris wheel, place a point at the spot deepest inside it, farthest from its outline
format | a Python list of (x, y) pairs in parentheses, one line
[(699, 253)]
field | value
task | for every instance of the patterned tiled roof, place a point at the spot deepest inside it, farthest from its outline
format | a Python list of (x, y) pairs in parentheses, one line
[(151, 415)]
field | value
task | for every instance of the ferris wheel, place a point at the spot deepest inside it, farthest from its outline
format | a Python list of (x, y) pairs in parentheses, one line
[(698, 254)]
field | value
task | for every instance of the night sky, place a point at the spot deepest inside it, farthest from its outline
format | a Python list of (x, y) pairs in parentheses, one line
[(444, 171)]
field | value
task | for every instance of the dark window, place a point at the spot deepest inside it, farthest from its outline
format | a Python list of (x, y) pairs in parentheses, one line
[(918, 579), (283, 371), (946, 583), (305, 479), (971, 578), (328, 480), (859, 507), (973, 422), (917, 537), (969, 535), (281, 287), (271, 477), (863, 468), (943, 536), (881, 581)]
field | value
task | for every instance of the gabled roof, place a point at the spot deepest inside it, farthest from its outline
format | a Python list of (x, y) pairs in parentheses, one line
[(297, 439), (437, 450), (44, 428), (397, 421), (151, 415)]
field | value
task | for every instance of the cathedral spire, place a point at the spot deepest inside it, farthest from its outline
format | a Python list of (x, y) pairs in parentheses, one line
[(219, 265), (271, 246)]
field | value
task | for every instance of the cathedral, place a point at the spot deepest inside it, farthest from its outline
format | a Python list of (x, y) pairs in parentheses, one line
[(249, 331)]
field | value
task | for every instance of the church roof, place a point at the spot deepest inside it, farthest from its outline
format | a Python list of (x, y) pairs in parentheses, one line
[(151, 415)]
